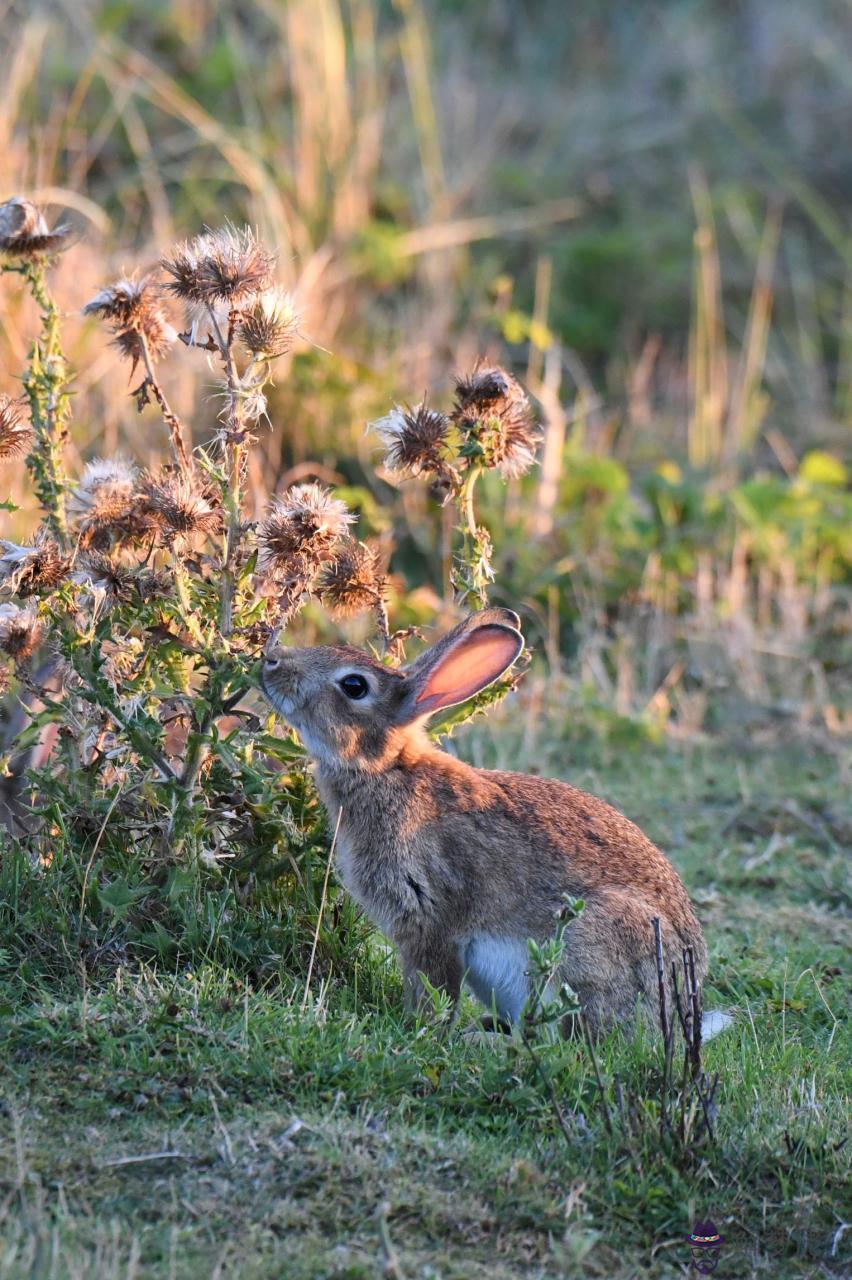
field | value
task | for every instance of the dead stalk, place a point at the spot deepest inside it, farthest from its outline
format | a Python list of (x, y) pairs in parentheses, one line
[(170, 418)]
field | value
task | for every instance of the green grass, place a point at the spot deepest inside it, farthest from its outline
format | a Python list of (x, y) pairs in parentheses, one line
[(343, 1141)]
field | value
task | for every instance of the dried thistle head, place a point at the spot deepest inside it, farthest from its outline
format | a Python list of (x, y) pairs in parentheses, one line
[(308, 521), (482, 388), (181, 506), (105, 576), (24, 232), (134, 310), (268, 323), (29, 570), (225, 266), (494, 415), (15, 431), (353, 581), (416, 439), (21, 632), (116, 583), (105, 496)]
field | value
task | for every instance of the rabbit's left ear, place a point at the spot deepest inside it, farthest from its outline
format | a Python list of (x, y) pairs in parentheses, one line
[(461, 669)]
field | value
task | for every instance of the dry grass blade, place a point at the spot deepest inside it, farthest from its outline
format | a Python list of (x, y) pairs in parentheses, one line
[(309, 975)]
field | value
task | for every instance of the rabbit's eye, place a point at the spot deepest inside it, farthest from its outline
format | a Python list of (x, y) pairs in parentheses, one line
[(354, 686)]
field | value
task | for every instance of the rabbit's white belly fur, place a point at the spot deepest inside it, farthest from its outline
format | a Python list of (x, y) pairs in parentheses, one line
[(496, 972)]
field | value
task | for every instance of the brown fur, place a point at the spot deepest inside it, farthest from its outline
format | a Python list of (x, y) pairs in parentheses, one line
[(437, 851)]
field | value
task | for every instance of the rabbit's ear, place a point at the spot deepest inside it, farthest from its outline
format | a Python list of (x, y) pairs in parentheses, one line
[(457, 670), (485, 617)]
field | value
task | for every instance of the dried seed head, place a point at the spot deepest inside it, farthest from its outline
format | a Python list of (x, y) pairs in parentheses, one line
[(105, 576), (24, 232), (135, 312), (224, 266), (290, 582), (15, 432), (115, 583), (308, 521), (106, 494), (353, 581), (181, 506), (29, 570), (493, 413), (416, 439), (268, 324), (20, 631), (482, 388)]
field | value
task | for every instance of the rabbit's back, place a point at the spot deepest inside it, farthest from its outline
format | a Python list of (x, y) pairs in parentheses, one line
[(487, 845)]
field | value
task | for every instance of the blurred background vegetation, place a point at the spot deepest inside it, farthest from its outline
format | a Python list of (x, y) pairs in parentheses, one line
[(641, 209)]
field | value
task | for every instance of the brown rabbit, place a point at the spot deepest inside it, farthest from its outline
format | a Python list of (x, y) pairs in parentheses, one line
[(460, 866)]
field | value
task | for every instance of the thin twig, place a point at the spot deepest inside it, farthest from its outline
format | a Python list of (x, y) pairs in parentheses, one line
[(661, 977), (319, 913), (665, 1026), (170, 418)]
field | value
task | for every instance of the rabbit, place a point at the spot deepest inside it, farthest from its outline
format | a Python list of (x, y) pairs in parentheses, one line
[(460, 866)]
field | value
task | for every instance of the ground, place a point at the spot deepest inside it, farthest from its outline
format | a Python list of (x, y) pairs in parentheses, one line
[(182, 1125)]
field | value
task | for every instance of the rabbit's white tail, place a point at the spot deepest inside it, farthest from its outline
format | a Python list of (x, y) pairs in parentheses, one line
[(714, 1021)]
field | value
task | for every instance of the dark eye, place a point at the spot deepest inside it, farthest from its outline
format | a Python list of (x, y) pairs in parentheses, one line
[(354, 686)]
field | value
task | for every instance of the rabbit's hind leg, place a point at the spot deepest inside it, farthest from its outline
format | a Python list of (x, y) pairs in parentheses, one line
[(609, 959)]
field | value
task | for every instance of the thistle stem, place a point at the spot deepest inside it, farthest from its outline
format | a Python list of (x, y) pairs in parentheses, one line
[(170, 418), (234, 451), (44, 383), (468, 511)]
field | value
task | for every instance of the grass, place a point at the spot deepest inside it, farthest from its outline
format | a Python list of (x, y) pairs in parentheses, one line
[(185, 1123)]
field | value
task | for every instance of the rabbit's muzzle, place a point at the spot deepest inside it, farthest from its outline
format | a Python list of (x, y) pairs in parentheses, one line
[(279, 680)]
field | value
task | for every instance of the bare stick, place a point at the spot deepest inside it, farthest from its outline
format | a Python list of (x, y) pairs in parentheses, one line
[(319, 914), (665, 1026), (661, 978), (695, 1001)]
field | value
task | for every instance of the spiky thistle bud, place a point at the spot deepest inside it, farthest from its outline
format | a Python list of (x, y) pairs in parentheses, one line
[(105, 496), (15, 431), (353, 581), (133, 309), (21, 631), (24, 232), (416, 439), (226, 266), (182, 507), (308, 521), (268, 324), (493, 413), (29, 570)]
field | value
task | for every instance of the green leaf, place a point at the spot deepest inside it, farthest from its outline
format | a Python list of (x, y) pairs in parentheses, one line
[(119, 896), (819, 467)]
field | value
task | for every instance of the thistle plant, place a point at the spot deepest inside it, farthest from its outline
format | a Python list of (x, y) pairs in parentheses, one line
[(490, 427), (136, 614), (26, 245)]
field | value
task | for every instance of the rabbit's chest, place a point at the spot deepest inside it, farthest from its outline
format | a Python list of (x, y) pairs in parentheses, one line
[(383, 884)]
